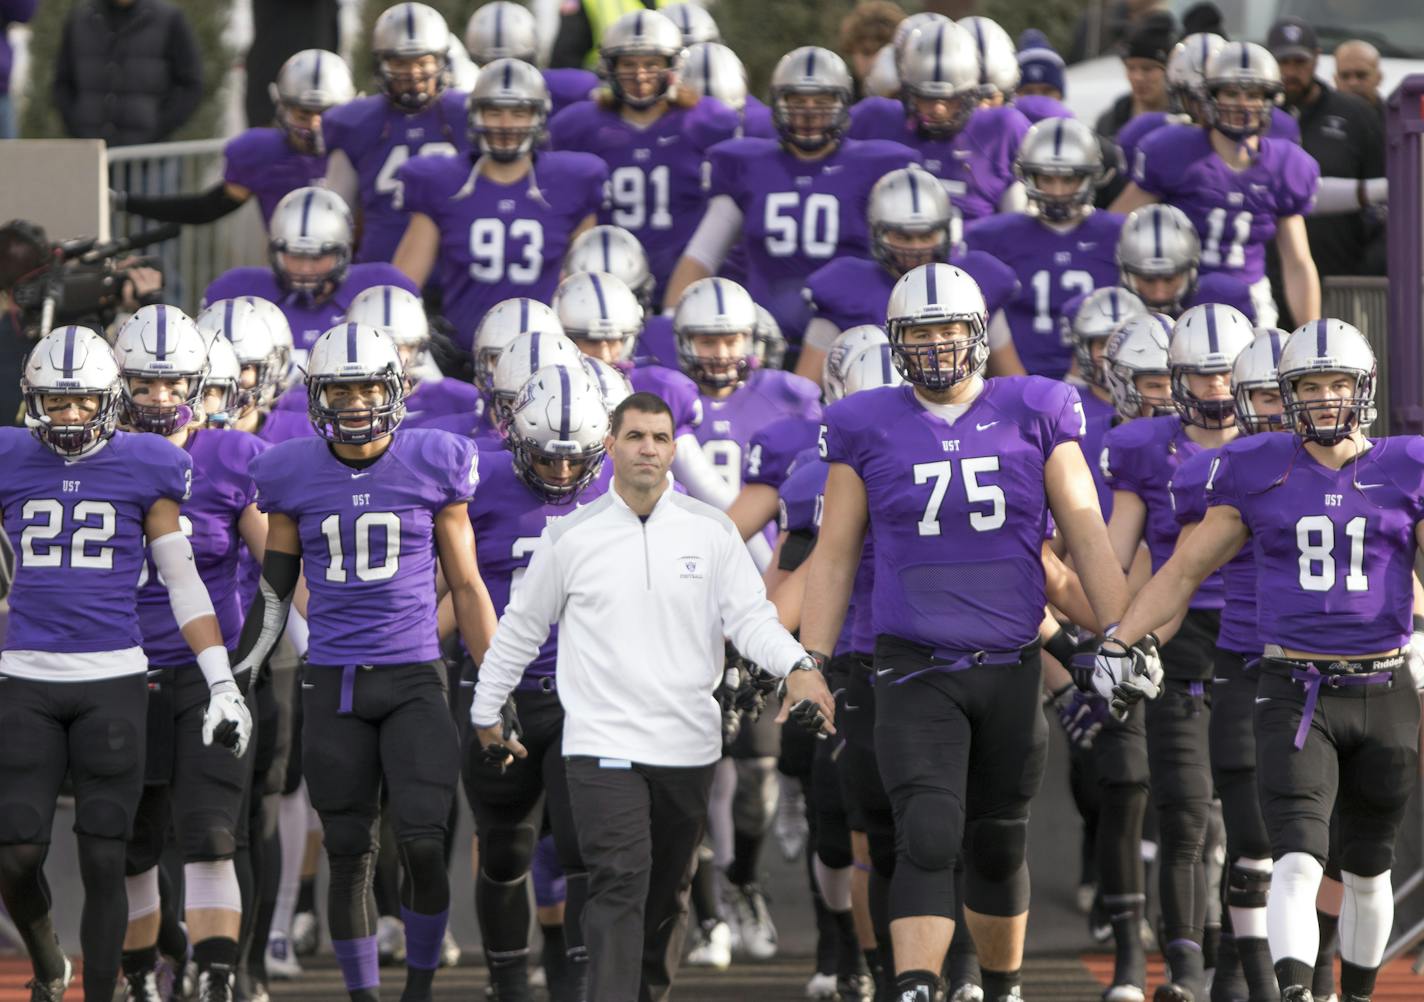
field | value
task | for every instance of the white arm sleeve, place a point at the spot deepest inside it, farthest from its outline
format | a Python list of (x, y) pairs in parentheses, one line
[(341, 178), (821, 333), (748, 617), (1337, 195), (999, 334), (760, 550), (721, 225), (532, 609), (1014, 198), (173, 556), (692, 469)]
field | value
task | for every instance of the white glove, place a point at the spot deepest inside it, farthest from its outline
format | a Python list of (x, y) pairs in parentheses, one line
[(1123, 675), (1414, 658), (227, 719)]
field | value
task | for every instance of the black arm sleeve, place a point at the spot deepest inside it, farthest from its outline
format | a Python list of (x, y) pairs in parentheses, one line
[(795, 548), (267, 616), (205, 207)]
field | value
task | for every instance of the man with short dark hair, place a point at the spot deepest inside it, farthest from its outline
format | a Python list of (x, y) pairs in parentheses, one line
[(1144, 57)]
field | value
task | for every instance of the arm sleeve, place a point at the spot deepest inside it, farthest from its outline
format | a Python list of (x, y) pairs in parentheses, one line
[(691, 468), (185, 78), (267, 616), (721, 225), (522, 630), (204, 207), (999, 334), (341, 178), (821, 333), (63, 88), (187, 595), (1339, 195), (748, 617)]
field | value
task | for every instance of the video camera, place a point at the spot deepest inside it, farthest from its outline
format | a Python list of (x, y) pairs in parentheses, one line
[(77, 281)]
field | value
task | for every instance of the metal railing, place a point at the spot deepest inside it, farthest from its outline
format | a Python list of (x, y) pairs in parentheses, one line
[(1364, 302), (202, 252)]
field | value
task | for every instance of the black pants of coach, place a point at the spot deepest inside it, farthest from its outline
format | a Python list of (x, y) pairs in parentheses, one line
[(638, 831)]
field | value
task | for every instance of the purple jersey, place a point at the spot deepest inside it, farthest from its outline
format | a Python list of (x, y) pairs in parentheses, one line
[(508, 518), (1141, 457), (1129, 137), (368, 539), (1225, 289), (1238, 575), (569, 86), (976, 165), (222, 489), (657, 344), (434, 398), (799, 214), (1037, 107), (728, 424), (307, 319), (1234, 212), (285, 425), (675, 390), (851, 291), (1101, 415), (377, 137), (263, 162), (800, 500), (76, 529), (956, 503), (497, 240), (654, 172), (1334, 549), (1052, 267), (777, 447)]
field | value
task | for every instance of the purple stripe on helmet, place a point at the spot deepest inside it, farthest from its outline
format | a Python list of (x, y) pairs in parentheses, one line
[(386, 313), (930, 294), (1058, 137), (1275, 348), (1164, 323), (508, 75), (811, 62), (316, 70), (886, 364), (598, 293), (68, 364), (1114, 305), (534, 353), (607, 245), (1211, 342), (523, 315), (939, 52), (1156, 234), (717, 291), (498, 25), (914, 192), (1245, 56), (983, 54), (410, 21), (565, 393), (1320, 339), (351, 342), (228, 308), (306, 209), (161, 349)]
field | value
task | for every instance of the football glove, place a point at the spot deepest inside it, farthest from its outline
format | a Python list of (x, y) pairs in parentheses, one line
[(808, 715), (1124, 675), (227, 719), (1081, 714), (500, 756), (756, 688)]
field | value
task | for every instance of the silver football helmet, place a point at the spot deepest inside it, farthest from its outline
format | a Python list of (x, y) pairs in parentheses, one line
[(1258, 368), (248, 332), (848, 344), (308, 227), (594, 306), (509, 84), (807, 72), (1060, 148), (872, 366), (161, 343), (311, 81), (283, 372), (1158, 252), (934, 295), (711, 69), (1099, 314), (400, 315), (1252, 73), (355, 353), (1205, 342), (1186, 71), (1138, 348), (556, 432), (402, 35), (71, 361), (939, 78), (883, 80), (613, 385), (907, 28), (768, 343), (911, 203), (526, 355), (1327, 346), (693, 20), (223, 387), (501, 30), (614, 250), (640, 33), (504, 322), (721, 308), (998, 56)]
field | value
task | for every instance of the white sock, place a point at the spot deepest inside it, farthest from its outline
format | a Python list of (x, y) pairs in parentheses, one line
[(143, 893), (292, 833), (1291, 925), (1366, 917)]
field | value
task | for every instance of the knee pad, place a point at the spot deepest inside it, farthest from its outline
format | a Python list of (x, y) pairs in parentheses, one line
[(1368, 854), (143, 893), (21, 824), (102, 817), (834, 884), (211, 885), (348, 835), (1249, 883), (929, 830), (997, 847), (506, 852), (209, 844), (423, 859)]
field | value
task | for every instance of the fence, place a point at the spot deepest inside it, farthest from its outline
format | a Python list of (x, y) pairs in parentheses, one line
[(202, 252), (1364, 302)]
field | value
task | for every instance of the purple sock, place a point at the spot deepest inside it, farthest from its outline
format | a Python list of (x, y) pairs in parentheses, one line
[(423, 936), (360, 966)]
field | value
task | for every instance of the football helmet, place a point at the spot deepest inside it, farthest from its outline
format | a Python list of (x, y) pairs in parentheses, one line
[(1098, 315), (1138, 348), (1159, 242), (933, 295), (1328, 346), (1186, 71), (810, 71), (873, 366), (504, 322), (248, 332), (848, 344), (768, 343), (693, 20), (940, 65), (407, 32), (310, 224), (612, 385), (354, 353), (501, 30), (311, 81), (507, 84), (1247, 68), (72, 360), (558, 416), (1060, 148), (614, 250), (1258, 368), (883, 80), (283, 372), (911, 201), (722, 308), (223, 388), (161, 342), (597, 306), (640, 33), (1206, 341), (711, 69), (524, 356), (997, 55), (908, 27), (398, 314)]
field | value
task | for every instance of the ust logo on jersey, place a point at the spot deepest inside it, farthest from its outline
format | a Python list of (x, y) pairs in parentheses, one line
[(689, 567), (950, 446), (70, 486)]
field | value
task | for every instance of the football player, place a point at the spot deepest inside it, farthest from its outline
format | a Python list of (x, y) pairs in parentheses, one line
[(1159, 261), (504, 30)]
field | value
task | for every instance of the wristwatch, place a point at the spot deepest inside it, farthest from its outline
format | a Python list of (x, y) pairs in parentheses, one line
[(807, 662)]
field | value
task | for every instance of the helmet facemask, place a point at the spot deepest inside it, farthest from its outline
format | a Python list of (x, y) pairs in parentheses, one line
[(952, 357), (162, 418), (356, 425)]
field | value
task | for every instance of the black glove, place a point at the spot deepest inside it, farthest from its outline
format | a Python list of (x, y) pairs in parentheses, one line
[(500, 756), (756, 688), (727, 704), (808, 715)]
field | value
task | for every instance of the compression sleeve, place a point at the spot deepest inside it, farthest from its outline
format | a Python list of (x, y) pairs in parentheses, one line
[(720, 227), (204, 207), (267, 616)]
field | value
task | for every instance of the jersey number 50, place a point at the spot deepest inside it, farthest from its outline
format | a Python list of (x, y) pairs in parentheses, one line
[(819, 227)]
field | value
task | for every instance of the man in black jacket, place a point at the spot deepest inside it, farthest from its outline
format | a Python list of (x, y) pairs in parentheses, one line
[(1144, 57), (128, 71)]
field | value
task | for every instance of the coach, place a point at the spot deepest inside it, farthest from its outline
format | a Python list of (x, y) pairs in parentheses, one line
[(644, 584)]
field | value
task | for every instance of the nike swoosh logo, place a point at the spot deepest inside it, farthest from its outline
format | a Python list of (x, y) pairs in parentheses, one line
[(667, 140), (1086, 245), (852, 706), (308, 685), (1263, 699), (1365, 487), (831, 168), (358, 476), (884, 671), (985, 427)]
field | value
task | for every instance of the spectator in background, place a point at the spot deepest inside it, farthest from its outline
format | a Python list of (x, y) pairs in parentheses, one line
[(11, 12), (864, 31), (1103, 30), (128, 71), (1357, 72), (581, 25), (1345, 136), (1203, 17), (1041, 70), (1145, 59), (281, 29)]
